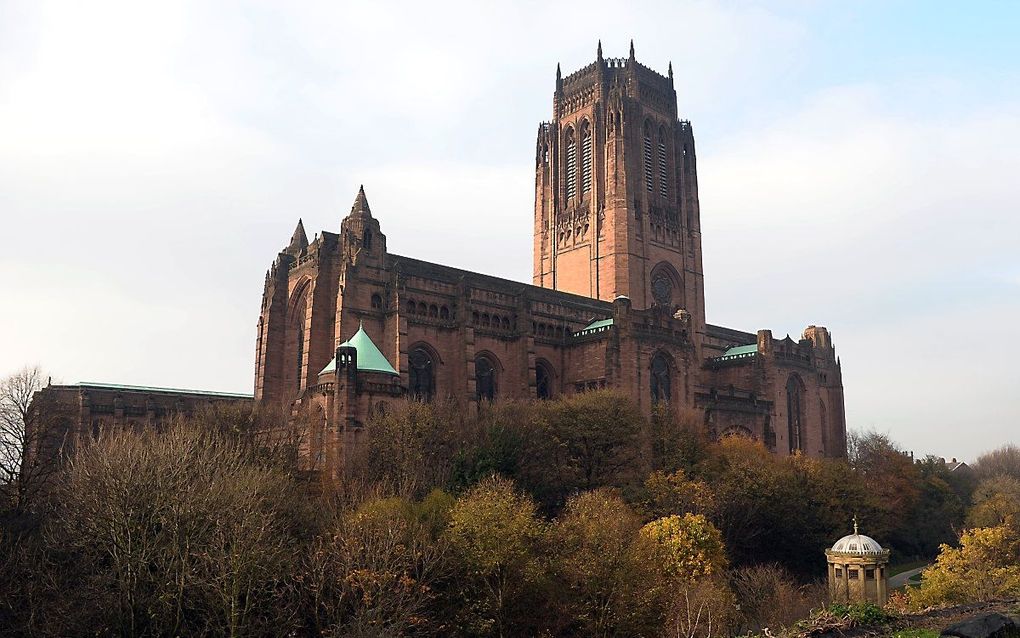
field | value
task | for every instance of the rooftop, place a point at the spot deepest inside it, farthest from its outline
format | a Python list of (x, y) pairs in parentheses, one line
[(117, 387)]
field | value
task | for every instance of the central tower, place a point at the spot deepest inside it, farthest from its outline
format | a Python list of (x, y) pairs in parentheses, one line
[(616, 190)]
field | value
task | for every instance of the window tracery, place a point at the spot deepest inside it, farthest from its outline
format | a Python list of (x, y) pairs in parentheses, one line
[(661, 383), (793, 412), (421, 375), (485, 379)]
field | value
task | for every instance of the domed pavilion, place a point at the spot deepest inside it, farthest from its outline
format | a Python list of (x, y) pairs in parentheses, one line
[(857, 570)]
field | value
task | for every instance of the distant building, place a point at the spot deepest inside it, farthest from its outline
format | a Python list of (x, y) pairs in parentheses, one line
[(62, 416), (956, 466)]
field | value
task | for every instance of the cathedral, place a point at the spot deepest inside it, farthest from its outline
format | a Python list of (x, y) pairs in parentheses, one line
[(347, 329)]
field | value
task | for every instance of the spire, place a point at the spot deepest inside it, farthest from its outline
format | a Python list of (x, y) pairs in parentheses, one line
[(299, 240), (599, 54), (671, 71), (360, 206), (632, 48)]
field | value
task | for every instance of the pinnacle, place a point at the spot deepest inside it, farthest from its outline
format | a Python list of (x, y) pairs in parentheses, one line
[(632, 48), (360, 206), (299, 240)]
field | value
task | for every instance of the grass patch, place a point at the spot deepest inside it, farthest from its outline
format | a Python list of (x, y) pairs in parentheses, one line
[(906, 567)]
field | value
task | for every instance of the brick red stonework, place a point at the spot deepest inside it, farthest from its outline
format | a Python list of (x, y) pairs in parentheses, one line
[(617, 235), (623, 242)]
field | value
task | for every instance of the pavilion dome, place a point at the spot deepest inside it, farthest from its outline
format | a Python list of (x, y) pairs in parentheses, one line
[(857, 543)]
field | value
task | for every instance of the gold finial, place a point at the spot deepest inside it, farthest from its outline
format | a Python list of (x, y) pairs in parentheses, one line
[(855, 523)]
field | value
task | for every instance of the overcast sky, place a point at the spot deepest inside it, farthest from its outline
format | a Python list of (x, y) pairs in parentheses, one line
[(858, 166)]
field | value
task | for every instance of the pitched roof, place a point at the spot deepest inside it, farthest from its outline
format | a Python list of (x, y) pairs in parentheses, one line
[(370, 358)]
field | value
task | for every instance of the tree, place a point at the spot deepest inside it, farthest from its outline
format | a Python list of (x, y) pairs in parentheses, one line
[(686, 547), (594, 439), (601, 577), (1002, 460), (893, 489), (180, 531), (29, 448), (690, 559), (675, 493), (676, 441), (494, 536), (996, 501), (984, 567), (374, 570)]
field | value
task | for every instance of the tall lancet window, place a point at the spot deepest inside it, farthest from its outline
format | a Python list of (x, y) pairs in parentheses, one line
[(300, 347), (649, 158), (571, 164), (663, 188), (661, 383), (793, 412), (585, 158)]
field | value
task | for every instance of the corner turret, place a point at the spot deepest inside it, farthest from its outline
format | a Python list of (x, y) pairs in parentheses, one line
[(298, 241), (360, 232)]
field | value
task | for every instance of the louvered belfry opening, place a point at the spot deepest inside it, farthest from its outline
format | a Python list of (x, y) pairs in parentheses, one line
[(649, 158), (585, 159), (571, 164)]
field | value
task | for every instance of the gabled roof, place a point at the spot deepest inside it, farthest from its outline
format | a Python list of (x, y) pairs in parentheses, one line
[(370, 358)]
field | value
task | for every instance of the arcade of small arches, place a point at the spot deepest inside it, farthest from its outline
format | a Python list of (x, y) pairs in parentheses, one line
[(486, 320), (421, 309)]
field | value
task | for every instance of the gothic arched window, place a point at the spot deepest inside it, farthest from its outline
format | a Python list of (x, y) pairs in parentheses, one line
[(297, 321), (585, 158), (571, 145), (485, 379), (543, 382), (421, 377), (300, 347), (662, 385), (663, 189), (377, 302), (648, 157), (793, 412)]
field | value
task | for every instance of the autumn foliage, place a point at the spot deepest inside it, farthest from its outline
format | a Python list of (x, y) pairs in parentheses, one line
[(576, 517)]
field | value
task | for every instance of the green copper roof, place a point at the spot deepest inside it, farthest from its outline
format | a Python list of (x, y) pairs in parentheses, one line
[(741, 350), (150, 389), (370, 359), (595, 326)]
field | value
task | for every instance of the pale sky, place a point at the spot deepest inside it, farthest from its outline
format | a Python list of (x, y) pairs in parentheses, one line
[(858, 169)]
